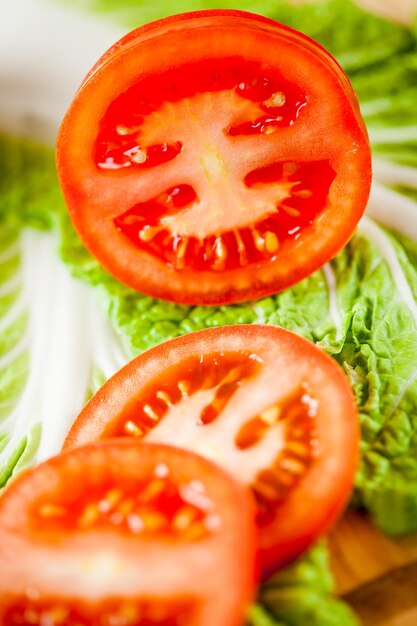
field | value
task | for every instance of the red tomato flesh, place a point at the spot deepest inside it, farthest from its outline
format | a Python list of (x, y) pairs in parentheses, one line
[(214, 157), (267, 405), (127, 534)]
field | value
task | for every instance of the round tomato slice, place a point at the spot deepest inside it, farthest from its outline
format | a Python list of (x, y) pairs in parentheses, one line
[(267, 405), (214, 157), (126, 534)]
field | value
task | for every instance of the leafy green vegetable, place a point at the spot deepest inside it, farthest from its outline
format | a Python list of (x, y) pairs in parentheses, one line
[(379, 355), (29, 193), (23, 452), (301, 594), (13, 345)]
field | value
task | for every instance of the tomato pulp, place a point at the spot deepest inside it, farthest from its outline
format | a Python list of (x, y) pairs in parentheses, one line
[(127, 534), (267, 405), (214, 157)]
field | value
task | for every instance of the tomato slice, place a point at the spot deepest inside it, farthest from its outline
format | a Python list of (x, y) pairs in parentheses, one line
[(269, 406), (214, 157), (123, 533)]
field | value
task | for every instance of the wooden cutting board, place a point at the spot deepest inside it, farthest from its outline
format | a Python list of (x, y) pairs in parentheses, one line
[(376, 574)]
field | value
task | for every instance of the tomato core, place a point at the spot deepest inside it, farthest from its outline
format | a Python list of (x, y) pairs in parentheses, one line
[(119, 138), (127, 140), (219, 376)]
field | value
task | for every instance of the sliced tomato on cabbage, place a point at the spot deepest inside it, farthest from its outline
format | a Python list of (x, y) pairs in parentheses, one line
[(126, 534), (267, 405), (214, 157)]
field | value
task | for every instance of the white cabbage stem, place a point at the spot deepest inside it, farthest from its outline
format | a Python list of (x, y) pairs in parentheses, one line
[(391, 173), (389, 254), (333, 304), (66, 335), (392, 134), (393, 210)]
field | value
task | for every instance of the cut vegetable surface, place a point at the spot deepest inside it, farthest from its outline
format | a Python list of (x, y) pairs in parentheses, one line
[(214, 157), (124, 533), (264, 403)]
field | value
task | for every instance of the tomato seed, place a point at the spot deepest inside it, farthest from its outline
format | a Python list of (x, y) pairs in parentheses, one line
[(184, 386), (266, 491), (184, 517), (149, 232), (298, 448), (51, 510), (139, 157), (150, 413), (303, 193), (271, 242), (164, 397), (124, 130), (129, 220), (292, 465), (220, 255), (153, 521), (271, 415), (270, 128), (132, 429), (110, 500), (241, 248), (194, 532), (180, 254), (276, 100), (153, 489), (126, 507), (89, 516), (291, 211), (286, 478)]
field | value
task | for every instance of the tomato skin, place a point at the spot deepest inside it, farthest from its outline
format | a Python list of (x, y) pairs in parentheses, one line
[(89, 193), (89, 566), (319, 496)]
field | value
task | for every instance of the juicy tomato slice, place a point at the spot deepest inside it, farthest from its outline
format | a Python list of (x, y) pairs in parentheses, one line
[(129, 534), (269, 406), (214, 157)]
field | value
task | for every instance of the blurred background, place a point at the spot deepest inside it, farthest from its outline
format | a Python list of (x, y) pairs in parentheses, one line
[(47, 46)]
